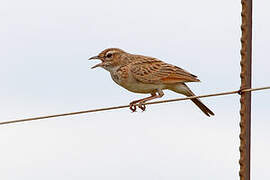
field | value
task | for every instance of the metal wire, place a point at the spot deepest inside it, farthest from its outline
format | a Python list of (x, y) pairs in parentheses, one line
[(125, 106)]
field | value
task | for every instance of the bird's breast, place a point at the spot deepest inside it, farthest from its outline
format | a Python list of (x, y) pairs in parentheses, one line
[(120, 76)]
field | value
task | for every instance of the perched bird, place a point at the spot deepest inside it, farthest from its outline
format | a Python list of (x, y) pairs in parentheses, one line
[(143, 74)]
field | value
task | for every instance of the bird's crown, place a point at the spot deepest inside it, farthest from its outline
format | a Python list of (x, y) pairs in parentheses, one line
[(107, 53)]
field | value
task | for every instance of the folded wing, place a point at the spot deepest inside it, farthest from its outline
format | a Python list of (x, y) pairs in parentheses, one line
[(152, 70)]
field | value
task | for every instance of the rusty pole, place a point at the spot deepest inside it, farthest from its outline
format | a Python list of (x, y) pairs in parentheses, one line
[(245, 112)]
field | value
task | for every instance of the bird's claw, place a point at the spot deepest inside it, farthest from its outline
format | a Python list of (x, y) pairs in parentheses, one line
[(142, 106), (132, 107)]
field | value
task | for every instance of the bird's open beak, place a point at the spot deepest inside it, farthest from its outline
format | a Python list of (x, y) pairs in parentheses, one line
[(94, 57), (98, 65)]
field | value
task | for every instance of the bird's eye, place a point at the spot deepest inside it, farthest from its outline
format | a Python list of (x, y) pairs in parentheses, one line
[(109, 55)]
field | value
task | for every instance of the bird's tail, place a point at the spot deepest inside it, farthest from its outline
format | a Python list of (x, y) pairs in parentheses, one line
[(204, 108), (183, 89)]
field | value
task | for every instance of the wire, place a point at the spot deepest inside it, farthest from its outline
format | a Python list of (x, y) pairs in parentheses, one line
[(125, 106)]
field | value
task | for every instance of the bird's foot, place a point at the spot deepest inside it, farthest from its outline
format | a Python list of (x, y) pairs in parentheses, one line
[(132, 106), (142, 106)]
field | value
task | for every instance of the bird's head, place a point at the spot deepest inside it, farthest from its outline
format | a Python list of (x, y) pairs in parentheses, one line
[(110, 58)]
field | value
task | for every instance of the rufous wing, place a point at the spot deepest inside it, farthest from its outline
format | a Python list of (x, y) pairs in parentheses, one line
[(152, 70)]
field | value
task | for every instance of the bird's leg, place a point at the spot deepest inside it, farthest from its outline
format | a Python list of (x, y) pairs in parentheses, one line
[(141, 102), (154, 96)]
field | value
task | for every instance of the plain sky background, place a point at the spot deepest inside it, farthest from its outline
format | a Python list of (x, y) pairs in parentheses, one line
[(44, 70)]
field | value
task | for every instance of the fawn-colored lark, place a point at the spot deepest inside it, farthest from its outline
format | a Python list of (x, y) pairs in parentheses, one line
[(143, 74)]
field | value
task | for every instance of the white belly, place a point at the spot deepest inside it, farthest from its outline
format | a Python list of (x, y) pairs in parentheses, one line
[(143, 88)]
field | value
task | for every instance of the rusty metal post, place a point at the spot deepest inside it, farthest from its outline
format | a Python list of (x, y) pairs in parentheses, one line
[(245, 112)]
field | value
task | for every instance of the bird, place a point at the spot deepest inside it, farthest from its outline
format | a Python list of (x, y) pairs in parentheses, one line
[(146, 75)]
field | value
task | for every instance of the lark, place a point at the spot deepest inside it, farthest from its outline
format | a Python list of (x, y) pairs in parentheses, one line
[(147, 75)]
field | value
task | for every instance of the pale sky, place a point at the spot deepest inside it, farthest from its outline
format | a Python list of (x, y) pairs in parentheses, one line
[(44, 70)]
